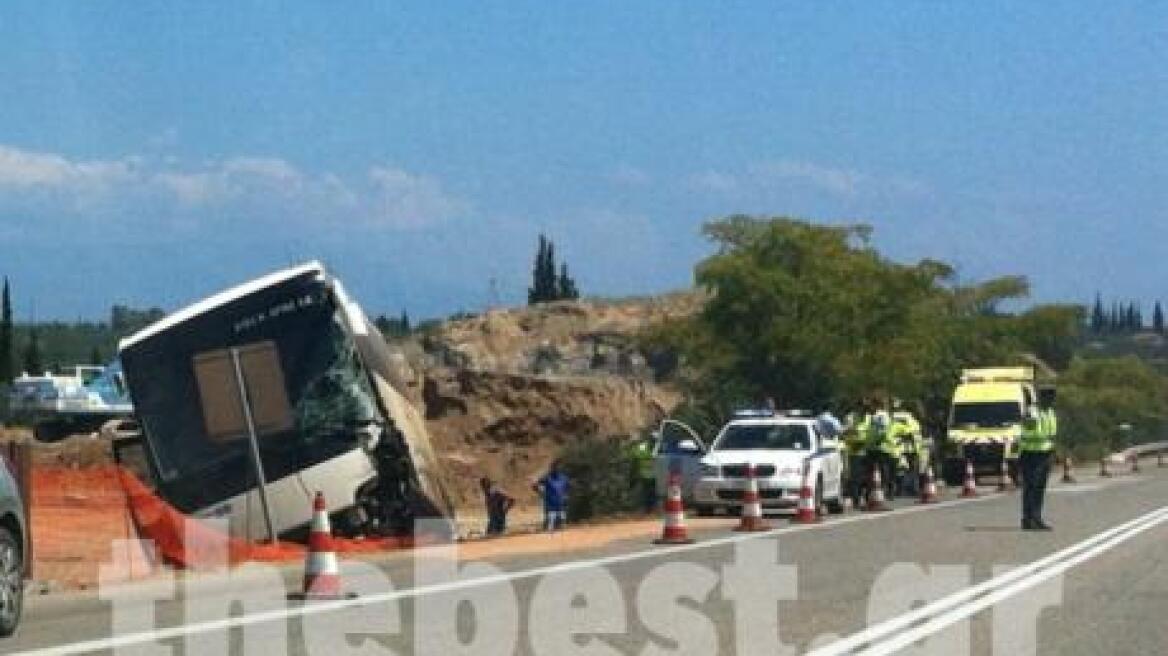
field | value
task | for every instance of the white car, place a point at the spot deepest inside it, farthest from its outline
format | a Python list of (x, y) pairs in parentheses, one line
[(779, 447)]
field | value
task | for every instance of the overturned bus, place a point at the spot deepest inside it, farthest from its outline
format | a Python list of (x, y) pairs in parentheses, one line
[(281, 379)]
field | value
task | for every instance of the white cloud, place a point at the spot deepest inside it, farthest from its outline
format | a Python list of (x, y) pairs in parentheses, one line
[(23, 169), (191, 188), (387, 197), (403, 199), (262, 167), (791, 174), (842, 182)]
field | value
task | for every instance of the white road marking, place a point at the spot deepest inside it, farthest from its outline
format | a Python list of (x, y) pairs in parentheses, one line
[(1076, 489), (169, 633), (897, 633)]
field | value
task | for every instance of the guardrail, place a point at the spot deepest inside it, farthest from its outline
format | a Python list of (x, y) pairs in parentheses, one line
[(1139, 451)]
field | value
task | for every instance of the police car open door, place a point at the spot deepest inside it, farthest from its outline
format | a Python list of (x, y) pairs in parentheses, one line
[(678, 448)]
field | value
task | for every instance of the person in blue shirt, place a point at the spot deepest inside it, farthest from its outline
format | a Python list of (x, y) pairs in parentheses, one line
[(553, 488)]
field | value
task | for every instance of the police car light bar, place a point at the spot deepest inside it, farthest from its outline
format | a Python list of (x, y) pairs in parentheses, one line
[(747, 413)]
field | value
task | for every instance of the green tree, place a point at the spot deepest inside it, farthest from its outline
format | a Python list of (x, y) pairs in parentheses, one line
[(543, 275), (33, 362), (1158, 319), (7, 350), (1051, 332), (126, 320), (1098, 316), (549, 283), (813, 316), (1097, 395), (566, 286)]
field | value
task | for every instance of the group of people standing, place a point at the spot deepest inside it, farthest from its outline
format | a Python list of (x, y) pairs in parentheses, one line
[(888, 440), (552, 487)]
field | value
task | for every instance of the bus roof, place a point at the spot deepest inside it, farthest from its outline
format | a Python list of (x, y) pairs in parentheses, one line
[(222, 298)]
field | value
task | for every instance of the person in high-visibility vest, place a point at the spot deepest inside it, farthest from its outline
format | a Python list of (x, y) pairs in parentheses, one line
[(882, 449), (644, 472), (854, 440), (906, 430), (1034, 462)]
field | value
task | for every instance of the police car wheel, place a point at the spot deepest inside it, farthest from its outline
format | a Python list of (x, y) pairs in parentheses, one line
[(836, 506), (819, 497)]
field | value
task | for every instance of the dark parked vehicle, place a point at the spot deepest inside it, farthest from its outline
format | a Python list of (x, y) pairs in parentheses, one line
[(13, 550)]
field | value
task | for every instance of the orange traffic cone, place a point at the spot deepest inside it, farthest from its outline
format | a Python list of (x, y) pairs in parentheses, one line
[(673, 530), (322, 576), (1004, 482), (876, 493), (806, 512), (928, 488), (752, 519), (969, 485), (1068, 470)]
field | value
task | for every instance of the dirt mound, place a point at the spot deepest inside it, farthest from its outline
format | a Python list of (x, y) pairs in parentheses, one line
[(510, 426), (566, 337), (505, 391)]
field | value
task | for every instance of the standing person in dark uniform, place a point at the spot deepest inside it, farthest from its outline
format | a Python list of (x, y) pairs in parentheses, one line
[(499, 503), (1036, 447)]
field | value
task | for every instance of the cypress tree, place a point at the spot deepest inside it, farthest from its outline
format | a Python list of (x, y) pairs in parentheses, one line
[(7, 361), (405, 322), (549, 274), (537, 292), (1158, 319), (549, 282), (544, 284), (32, 354), (1098, 316), (566, 286)]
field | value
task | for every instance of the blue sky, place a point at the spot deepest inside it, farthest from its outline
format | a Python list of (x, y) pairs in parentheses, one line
[(153, 153)]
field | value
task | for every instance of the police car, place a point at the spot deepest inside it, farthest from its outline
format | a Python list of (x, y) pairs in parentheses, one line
[(779, 445)]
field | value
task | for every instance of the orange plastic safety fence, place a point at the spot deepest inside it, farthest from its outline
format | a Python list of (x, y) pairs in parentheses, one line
[(187, 542)]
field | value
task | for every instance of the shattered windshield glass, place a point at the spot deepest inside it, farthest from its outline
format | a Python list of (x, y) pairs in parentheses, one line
[(338, 399)]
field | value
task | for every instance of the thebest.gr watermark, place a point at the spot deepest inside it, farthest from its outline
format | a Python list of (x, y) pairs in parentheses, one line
[(746, 605)]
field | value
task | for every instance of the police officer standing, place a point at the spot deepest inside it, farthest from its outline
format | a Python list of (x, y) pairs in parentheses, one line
[(1039, 430), (644, 472), (907, 433), (855, 439), (883, 451)]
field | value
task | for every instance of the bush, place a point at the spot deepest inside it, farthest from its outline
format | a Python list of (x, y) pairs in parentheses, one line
[(1096, 396), (601, 478)]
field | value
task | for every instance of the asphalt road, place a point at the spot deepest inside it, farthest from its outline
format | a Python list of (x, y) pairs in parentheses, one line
[(1097, 584)]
